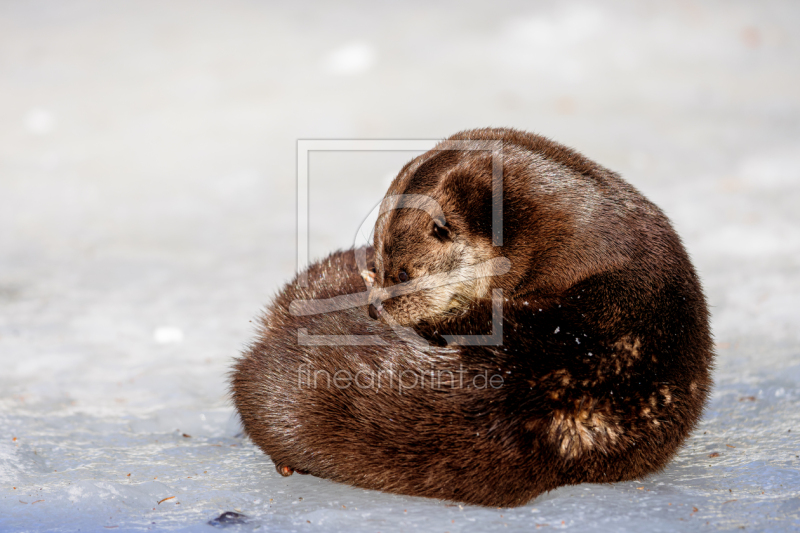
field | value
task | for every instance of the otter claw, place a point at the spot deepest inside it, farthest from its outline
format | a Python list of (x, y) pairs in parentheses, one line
[(285, 471)]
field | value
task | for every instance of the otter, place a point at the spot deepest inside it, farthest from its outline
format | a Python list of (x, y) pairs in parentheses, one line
[(590, 356)]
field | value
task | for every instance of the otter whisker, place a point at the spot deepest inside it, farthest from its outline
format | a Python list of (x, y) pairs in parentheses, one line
[(493, 267)]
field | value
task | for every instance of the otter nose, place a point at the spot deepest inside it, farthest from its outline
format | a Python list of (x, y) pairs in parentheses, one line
[(375, 311)]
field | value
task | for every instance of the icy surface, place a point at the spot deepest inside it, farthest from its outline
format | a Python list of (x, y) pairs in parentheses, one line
[(147, 189)]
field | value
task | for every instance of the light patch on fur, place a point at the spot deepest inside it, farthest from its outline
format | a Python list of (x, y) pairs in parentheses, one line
[(469, 281), (628, 346), (625, 354), (563, 376), (666, 394), (474, 289), (584, 429), (693, 387), (368, 277)]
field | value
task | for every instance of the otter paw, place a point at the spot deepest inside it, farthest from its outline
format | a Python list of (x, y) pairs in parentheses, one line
[(285, 471)]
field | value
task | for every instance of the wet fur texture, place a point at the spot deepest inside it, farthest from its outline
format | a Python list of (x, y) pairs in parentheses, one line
[(565, 218), (603, 371)]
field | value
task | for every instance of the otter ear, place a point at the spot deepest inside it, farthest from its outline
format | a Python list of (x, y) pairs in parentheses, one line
[(442, 231)]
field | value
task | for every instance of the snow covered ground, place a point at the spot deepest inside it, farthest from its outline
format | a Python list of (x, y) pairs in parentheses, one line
[(147, 213)]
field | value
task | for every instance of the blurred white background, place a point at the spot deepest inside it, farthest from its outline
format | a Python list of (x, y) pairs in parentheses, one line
[(147, 213)]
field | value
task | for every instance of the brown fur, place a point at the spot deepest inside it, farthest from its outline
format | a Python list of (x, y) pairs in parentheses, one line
[(606, 353), (566, 218)]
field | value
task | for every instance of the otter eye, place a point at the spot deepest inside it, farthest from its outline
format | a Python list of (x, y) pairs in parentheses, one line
[(441, 231), (402, 276)]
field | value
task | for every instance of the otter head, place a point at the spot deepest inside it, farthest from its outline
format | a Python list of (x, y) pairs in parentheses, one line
[(564, 218), (433, 240)]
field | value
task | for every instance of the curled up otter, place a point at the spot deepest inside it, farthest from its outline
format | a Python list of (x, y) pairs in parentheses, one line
[(525, 319)]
